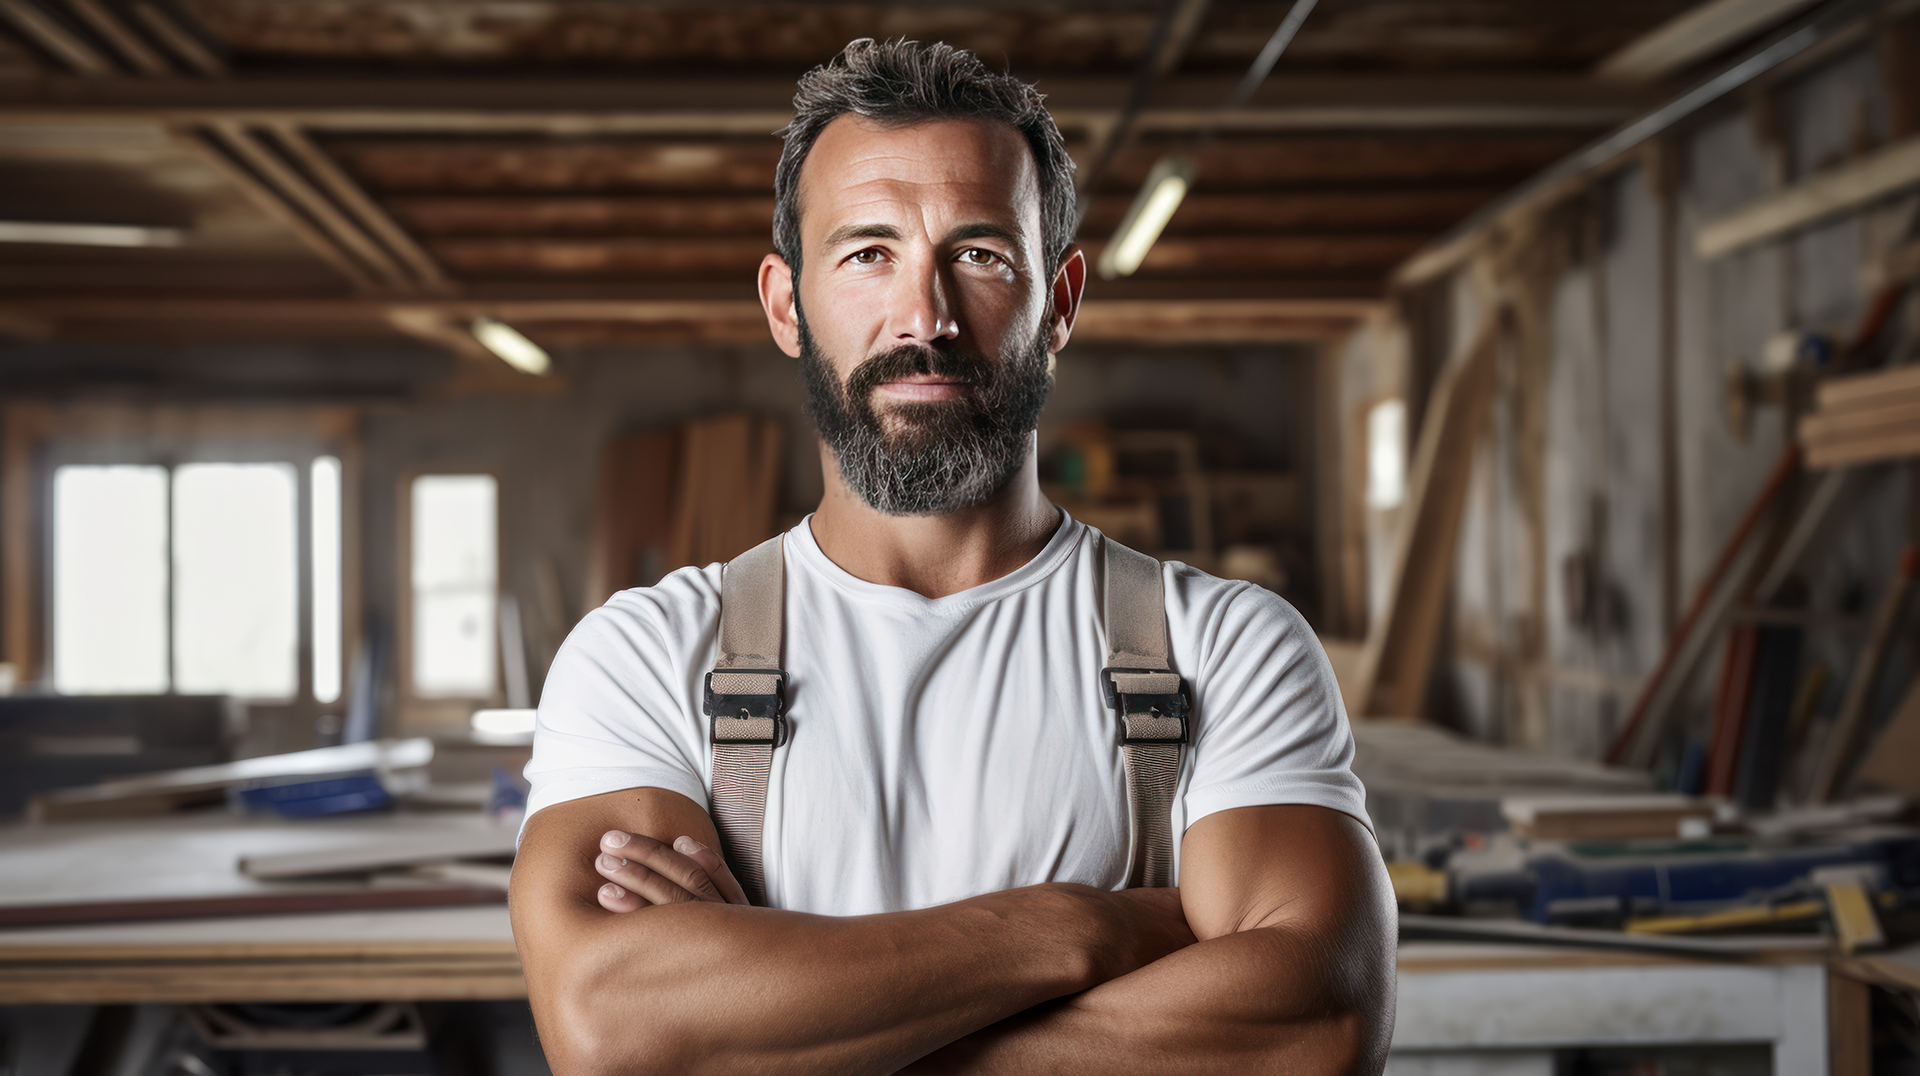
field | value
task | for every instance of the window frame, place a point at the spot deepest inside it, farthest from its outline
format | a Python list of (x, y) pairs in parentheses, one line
[(427, 712), (40, 437)]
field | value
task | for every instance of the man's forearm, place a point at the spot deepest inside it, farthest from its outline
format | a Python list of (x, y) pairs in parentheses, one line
[(1265, 1000), (705, 987)]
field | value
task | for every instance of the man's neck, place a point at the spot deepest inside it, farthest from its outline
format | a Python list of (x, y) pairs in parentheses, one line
[(934, 556)]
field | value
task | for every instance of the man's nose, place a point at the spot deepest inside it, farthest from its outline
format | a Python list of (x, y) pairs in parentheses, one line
[(922, 306)]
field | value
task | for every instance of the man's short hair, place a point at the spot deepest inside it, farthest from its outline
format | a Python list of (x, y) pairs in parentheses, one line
[(905, 82)]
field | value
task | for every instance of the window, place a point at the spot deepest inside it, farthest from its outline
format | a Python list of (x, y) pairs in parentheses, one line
[(1387, 454), (110, 580), (188, 578), (325, 539), (453, 555)]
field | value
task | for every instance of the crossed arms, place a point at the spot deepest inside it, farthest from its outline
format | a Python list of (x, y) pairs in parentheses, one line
[(1276, 954)]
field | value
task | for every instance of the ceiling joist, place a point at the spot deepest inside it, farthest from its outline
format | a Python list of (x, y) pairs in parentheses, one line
[(740, 107)]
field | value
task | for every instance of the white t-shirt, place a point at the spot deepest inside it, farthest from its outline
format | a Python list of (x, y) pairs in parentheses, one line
[(942, 748)]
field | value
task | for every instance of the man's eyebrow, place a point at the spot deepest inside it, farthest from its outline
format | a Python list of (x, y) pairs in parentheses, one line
[(985, 231), (848, 232)]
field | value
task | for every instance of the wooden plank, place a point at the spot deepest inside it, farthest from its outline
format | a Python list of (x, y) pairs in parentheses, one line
[(1843, 738), (690, 103), (319, 242), (1893, 762), (25, 427), (1713, 600), (1866, 418), (1695, 35), (287, 183), (493, 842), (370, 215), (46, 32), (1849, 1026), (330, 899), (1848, 451), (1870, 178), (1864, 389), (345, 981), (108, 25), (178, 39), (633, 499), (1400, 645)]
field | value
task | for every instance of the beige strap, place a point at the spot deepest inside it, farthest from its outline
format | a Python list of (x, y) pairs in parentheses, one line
[(746, 701), (1152, 703)]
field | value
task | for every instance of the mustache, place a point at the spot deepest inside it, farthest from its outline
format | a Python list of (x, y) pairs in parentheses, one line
[(911, 360)]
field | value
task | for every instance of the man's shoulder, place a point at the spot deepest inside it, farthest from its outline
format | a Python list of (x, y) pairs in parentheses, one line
[(682, 605)]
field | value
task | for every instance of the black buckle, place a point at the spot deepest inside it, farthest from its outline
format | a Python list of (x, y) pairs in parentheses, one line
[(772, 705), (1175, 705)]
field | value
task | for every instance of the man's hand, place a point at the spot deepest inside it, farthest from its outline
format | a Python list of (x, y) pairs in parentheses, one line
[(642, 872)]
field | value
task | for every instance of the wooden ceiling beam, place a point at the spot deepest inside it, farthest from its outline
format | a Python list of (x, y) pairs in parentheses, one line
[(303, 198), (108, 24), (369, 214), (217, 156), (179, 40), (1698, 34), (54, 38), (708, 108)]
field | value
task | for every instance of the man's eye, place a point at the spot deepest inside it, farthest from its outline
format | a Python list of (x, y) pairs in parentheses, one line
[(866, 257), (976, 256)]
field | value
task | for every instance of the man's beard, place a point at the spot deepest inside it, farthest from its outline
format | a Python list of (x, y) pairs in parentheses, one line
[(930, 458)]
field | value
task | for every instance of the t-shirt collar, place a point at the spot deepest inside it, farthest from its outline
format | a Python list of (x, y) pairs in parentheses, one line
[(803, 549)]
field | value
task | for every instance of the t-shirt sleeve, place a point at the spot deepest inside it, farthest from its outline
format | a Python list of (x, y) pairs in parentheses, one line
[(620, 706), (1270, 727)]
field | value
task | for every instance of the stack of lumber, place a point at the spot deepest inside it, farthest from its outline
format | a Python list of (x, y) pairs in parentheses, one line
[(1865, 418), (1425, 783), (691, 494)]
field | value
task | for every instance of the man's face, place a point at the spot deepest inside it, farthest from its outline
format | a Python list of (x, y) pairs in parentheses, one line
[(923, 308)]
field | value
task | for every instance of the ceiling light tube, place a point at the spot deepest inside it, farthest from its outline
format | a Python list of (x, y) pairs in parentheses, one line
[(514, 349), (1151, 210), (88, 235)]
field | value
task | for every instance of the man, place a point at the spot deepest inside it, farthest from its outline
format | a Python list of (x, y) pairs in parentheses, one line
[(946, 834)]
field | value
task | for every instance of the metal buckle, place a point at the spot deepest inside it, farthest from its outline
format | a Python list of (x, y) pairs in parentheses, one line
[(1175, 705), (740, 709)]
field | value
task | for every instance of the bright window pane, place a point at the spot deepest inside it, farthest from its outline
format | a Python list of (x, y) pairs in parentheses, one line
[(1387, 454), (454, 567), (326, 579), (235, 578), (109, 580)]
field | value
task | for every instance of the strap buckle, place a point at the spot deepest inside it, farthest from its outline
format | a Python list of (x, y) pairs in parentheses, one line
[(748, 720), (1148, 718)]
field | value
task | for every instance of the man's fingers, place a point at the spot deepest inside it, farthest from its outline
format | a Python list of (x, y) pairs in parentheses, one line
[(683, 871), (648, 885), (670, 864), (616, 898), (715, 867)]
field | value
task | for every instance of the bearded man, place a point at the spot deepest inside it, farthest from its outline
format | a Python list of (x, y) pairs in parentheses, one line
[(953, 779)]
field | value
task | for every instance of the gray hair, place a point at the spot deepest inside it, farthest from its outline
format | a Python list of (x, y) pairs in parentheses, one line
[(905, 82)]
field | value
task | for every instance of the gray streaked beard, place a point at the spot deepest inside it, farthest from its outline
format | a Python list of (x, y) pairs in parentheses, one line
[(941, 457)]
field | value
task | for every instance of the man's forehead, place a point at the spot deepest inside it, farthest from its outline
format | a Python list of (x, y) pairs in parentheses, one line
[(979, 165)]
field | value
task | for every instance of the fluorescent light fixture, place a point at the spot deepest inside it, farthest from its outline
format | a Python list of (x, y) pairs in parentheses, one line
[(1166, 185), (503, 726), (88, 235), (514, 349)]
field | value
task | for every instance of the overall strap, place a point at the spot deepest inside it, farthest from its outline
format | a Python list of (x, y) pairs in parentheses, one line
[(746, 703), (1152, 703)]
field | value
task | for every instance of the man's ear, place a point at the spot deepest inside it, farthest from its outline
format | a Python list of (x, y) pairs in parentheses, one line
[(1068, 284), (777, 299)]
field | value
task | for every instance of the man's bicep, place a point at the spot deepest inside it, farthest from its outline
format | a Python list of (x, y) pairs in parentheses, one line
[(1310, 867), (554, 873)]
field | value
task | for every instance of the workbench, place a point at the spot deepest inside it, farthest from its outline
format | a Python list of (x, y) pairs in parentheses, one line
[(1463, 1007)]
